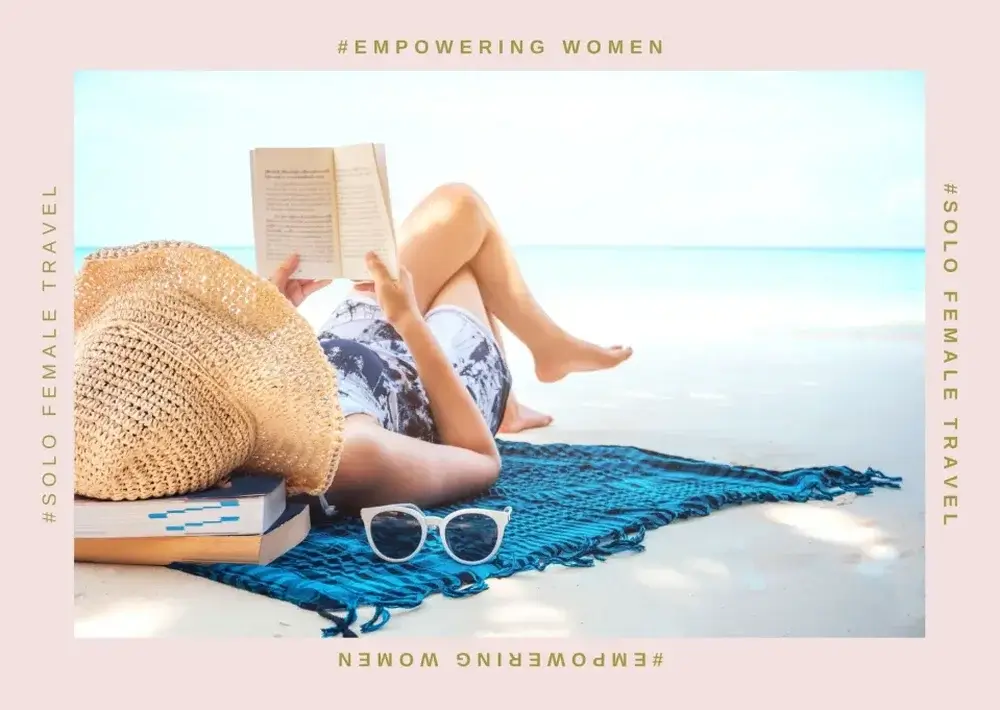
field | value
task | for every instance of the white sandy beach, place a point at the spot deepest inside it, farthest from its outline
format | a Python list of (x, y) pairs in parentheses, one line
[(756, 395)]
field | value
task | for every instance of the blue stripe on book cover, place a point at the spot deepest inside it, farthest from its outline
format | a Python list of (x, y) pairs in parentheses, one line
[(291, 510), (196, 508), (187, 526), (239, 487)]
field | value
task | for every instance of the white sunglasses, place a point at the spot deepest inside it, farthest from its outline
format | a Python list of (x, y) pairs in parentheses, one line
[(471, 536)]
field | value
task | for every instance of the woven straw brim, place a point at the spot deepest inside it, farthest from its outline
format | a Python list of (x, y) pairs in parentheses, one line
[(189, 366)]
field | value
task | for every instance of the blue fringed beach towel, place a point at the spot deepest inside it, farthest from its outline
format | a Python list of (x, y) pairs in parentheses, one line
[(572, 505)]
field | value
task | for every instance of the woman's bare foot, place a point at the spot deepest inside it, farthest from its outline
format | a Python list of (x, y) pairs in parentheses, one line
[(578, 356), (517, 417)]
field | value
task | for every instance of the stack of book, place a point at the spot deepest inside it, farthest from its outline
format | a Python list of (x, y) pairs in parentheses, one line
[(246, 520)]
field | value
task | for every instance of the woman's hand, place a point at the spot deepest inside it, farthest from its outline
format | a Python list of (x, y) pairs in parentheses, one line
[(395, 296), (295, 290)]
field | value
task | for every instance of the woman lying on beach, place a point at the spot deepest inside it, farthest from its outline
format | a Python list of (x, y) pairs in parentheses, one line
[(422, 374)]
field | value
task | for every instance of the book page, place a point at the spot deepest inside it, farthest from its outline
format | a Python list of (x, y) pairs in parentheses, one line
[(295, 211), (364, 223), (383, 176)]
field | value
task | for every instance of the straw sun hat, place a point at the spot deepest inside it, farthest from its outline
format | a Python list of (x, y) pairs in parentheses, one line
[(189, 367)]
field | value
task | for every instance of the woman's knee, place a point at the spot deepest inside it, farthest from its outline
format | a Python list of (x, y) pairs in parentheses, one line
[(451, 218), (458, 193), (458, 202)]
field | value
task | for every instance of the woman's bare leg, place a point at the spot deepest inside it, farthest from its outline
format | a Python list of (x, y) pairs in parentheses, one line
[(463, 290), (517, 417), (453, 228)]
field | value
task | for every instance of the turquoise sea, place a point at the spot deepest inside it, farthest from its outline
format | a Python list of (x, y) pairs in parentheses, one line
[(716, 287)]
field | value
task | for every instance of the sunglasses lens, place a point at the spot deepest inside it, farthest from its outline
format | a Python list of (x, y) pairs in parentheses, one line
[(472, 536), (395, 534)]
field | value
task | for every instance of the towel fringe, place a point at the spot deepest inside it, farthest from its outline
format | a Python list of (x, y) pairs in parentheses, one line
[(341, 624), (456, 589), (380, 617)]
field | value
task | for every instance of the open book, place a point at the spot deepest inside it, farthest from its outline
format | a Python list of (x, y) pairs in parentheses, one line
[(328, 205)]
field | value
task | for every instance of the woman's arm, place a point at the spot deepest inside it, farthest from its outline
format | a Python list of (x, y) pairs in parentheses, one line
[(379, 467), (458, 419)]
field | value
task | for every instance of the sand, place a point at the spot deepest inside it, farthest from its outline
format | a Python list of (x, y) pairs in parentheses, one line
[(798, 397)]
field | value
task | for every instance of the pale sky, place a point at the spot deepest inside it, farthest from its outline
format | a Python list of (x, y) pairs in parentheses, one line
[(833, 159)]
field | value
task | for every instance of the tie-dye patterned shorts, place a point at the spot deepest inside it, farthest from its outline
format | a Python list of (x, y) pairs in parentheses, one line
[(378, 377)]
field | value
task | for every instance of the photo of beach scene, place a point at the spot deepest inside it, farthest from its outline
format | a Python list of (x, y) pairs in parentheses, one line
[(757, 239)]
